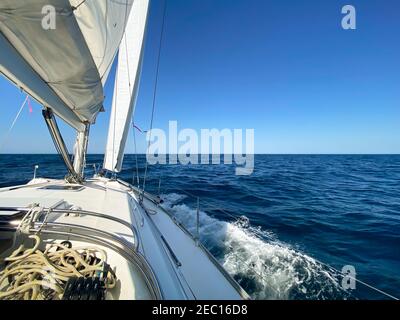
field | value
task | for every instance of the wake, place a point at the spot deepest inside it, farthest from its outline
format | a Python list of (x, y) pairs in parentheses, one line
[(265, 267)]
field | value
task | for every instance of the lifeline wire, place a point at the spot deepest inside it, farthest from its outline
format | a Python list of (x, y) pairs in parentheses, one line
[(155, 94), (320, 262)]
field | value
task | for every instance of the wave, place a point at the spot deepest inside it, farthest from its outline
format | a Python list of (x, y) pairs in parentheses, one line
[(265, 267)]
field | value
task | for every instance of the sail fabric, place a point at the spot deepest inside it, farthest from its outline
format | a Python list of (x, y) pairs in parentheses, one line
[(19, 72), (102, 23), (126, 85), (73, 59)]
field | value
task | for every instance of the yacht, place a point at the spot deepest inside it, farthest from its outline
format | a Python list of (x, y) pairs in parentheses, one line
[(90, 238)]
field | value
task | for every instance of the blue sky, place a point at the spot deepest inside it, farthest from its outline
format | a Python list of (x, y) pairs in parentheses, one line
[(283, 67)]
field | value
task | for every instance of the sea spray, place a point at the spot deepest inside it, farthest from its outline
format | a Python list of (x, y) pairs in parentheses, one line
[(265, 267)]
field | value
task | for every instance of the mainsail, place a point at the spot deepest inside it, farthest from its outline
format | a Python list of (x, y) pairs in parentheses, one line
[(65, 67), (126, 85)]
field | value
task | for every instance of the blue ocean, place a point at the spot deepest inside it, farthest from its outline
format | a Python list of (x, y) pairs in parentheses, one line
[(284, 232)]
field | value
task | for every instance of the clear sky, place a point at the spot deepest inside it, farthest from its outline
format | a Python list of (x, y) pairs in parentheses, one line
[(283, 67)]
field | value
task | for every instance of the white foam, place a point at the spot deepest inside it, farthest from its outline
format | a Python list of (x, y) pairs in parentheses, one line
[(265, 267)]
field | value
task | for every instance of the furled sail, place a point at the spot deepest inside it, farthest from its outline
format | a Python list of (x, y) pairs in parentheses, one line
[(63, 64), (126, 85)]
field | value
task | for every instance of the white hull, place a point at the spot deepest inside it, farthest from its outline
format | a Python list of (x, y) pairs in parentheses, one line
[(154, 257)]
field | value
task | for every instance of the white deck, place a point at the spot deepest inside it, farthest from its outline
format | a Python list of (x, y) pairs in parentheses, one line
[(183, 269)]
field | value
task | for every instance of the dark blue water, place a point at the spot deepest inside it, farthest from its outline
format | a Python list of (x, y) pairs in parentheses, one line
[(303, 210)]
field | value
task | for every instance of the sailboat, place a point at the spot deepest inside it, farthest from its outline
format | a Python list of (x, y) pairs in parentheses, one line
[(90, 238)]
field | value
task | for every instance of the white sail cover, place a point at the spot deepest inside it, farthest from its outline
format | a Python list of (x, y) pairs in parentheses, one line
[(126, 85), (64, 68)]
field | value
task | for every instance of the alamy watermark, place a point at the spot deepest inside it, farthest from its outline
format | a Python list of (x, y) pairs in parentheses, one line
[(349, 280), (49, 20), (191, 147), (349, 21), (187, 146)]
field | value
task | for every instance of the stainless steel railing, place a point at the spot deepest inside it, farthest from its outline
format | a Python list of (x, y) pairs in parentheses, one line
[(81, 212), (111, 240), (196, 238)]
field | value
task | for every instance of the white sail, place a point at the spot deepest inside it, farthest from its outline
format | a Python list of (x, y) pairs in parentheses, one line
[(102, 23), (68, 59), (126, 85)]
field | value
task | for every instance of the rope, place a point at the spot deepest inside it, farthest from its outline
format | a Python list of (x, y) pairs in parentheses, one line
[(318, 261), (155, 95), (29, 219), (36, 275)]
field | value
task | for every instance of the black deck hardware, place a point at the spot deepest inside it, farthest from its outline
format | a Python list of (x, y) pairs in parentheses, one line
[(80, 288)]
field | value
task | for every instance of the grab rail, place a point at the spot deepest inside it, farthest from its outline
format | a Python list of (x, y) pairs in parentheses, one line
[(101, 237), (153, 199), (244, 221), (132, 256), (83, 212)]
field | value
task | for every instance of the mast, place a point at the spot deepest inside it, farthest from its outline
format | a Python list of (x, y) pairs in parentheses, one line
[(68, 77), (81, 145)]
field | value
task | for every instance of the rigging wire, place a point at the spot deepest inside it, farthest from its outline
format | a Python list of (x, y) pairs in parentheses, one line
[(81, 3), (136, 161), (13, 123), (115, 120), (146, 167), (359, 281), (116, 95), (388, 295), (154, 96)]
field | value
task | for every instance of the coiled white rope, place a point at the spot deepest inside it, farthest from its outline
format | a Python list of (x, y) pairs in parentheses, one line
[(36, 275)]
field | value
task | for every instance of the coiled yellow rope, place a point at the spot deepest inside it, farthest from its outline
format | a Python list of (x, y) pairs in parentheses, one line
[(36, 275)]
